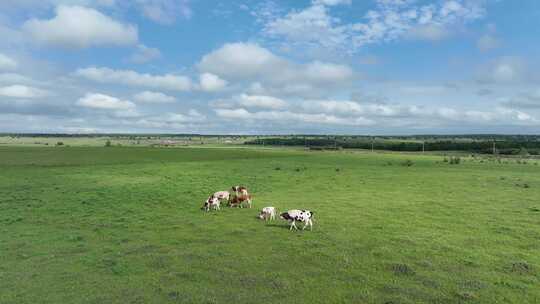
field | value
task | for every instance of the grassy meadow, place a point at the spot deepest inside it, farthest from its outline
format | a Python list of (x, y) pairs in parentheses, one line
[(123, 225)]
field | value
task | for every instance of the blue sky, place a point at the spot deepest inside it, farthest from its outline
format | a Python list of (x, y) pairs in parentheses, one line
[(267, 67)]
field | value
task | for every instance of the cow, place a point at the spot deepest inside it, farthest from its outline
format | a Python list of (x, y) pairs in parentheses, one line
[(268, 213), (239, 190), (239, 200), (304, 216), (211, 202), (222, 195)]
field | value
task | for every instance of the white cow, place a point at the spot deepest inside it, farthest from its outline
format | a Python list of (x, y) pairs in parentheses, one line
[(268, 213), (304, 216)]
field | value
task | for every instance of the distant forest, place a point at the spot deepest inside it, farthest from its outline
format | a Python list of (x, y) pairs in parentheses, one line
[(486, 144)]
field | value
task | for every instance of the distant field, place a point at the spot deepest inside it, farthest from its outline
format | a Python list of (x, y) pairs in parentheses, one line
[(123, 225), (126, 140)]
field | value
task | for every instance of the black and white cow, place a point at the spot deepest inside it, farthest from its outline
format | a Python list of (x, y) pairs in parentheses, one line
[(304, 216)]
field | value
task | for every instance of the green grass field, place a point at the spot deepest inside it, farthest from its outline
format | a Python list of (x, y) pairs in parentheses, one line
[(123, 225)]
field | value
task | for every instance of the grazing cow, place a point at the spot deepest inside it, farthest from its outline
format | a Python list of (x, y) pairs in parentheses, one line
[(222, 195), (304, 216), (268, 213), (211, 202), (239, 190), (238, 200)]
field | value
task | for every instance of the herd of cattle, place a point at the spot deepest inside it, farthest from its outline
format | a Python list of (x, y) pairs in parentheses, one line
[(239, 197)]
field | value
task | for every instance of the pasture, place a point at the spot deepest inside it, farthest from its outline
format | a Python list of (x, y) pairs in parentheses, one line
[(123, 225)]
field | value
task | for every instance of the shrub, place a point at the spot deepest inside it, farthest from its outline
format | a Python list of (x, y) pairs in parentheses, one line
[(407, 163), (108, 143), (59, 143), (455, 160)]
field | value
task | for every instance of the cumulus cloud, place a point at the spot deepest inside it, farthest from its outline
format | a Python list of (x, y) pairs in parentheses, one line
[(80, 27), (144, 54), (105, 102), (256, 101), (22, 91), (211, 83), (251, 62), (153, 97), (239, 60), (7, 63), (132, 78)]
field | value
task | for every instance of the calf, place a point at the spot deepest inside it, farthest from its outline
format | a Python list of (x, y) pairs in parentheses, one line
[(211, 202), (304, 216), (238, 200), (268, 213)]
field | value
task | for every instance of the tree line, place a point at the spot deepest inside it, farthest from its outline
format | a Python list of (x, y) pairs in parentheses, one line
[(505, 147)]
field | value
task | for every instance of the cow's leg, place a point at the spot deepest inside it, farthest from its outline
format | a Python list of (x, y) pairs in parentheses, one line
[(293, 225), (249, 203), (305, 225), (310, 225)]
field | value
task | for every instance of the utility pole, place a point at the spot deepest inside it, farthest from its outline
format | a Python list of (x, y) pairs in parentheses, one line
[(372, 144), (423, 147)]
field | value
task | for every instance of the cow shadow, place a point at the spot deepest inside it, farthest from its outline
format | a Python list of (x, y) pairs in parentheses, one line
[(277, 225)]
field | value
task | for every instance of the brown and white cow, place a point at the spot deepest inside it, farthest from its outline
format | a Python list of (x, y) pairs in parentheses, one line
[(239, 200), (211, 202), (239, 190)]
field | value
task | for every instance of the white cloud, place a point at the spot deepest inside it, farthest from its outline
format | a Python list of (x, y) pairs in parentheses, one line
[(239, 60), (322, 72), (250, 62), (390, 20), (22, 91), (165, 11), (332, 2), (132, 78), (153, 97), (211, 83), (428, 32), (14, 78), (528, 100), (288, 116), (144, 54), (7, 63), (80, 27), (312, 26), (256, 101), (106, 102)]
